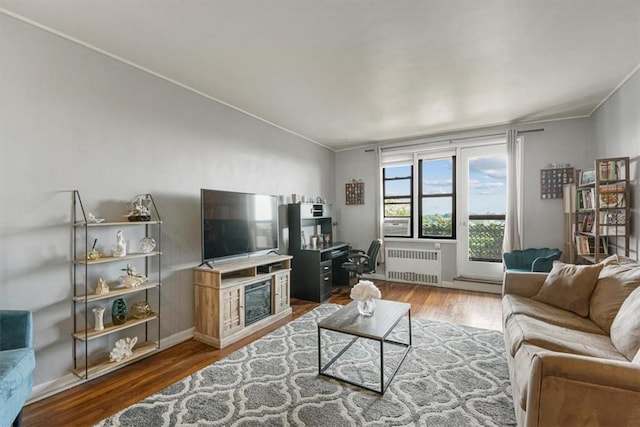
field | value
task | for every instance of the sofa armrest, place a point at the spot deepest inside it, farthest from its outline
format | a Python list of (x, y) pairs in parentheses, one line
[(566, 390), (16, 330), (522, 283)]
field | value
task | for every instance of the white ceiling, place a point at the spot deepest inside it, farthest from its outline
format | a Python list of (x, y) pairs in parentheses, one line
[(345, 73)]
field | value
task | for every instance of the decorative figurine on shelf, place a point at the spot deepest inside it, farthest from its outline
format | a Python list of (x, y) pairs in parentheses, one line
[(93, 254), (97, 313), (123, 349), (140, 309), (91, 219), (133, 277), (121, 245), (139, 208), (119, 311), (147, 245), (102, 287), (365, 293)]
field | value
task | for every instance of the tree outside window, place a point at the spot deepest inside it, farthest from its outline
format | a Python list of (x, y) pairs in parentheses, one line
[(437, 198), (397, 194)]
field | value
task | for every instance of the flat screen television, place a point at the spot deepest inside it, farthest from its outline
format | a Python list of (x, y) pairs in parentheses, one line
[(236, 224)]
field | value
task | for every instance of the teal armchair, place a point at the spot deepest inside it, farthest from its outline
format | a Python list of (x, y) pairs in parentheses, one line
[(17, 362), (540, 260)]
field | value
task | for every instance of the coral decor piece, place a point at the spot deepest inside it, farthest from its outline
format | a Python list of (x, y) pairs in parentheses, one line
[(123, 349), (365, 292), (139, 208)]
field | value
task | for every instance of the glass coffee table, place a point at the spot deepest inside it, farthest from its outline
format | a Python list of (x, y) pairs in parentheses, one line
[(377, 327)]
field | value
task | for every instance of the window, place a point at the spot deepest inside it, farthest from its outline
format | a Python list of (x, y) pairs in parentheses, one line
[(398, 200), (437, 198)]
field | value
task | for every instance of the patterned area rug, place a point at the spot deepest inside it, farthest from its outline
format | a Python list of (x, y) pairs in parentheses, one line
[(453, 376)]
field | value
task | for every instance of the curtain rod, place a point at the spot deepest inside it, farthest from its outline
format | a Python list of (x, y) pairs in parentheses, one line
[(461, 139)]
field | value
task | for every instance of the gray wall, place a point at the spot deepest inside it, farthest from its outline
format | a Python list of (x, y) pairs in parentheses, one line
[(72, 118), (615, 130), (561, 141)]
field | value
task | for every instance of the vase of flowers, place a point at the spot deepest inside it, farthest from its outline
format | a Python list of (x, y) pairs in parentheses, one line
[(365, 293)]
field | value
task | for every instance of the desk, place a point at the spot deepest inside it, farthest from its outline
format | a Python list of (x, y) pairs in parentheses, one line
[(315, 270)]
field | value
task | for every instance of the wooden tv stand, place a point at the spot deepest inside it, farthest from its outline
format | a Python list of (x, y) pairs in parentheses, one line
[(220, 297)]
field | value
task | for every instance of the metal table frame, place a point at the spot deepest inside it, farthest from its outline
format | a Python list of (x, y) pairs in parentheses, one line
[(381, 339)]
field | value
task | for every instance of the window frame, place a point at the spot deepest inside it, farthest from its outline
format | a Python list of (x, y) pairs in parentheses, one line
[(410, 196), (453, 195)]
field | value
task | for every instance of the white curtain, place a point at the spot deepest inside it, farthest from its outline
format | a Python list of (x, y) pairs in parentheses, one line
[(379, 207), (512, 239)]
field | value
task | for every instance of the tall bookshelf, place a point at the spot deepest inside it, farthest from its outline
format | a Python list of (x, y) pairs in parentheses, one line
[(602, 215), (569, 228)]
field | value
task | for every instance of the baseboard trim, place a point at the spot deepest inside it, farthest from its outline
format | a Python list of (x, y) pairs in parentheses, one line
[(67, 381), (488, 287)]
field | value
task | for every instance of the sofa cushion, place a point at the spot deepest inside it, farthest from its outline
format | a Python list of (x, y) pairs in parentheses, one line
[(521, 329), (516, 304), (615, 283), (616, 259), (16, 367), (569, 287), (625, 328)]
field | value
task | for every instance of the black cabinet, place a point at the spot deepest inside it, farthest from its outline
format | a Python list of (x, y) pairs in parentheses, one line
[(315, 268)]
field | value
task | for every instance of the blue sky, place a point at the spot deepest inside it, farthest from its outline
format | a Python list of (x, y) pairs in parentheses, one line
[(487, 192)]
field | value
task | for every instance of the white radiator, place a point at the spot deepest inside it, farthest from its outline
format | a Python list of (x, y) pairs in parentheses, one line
[(413, 266)]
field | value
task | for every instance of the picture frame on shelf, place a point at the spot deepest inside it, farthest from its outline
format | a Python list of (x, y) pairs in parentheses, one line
[(587, 176)]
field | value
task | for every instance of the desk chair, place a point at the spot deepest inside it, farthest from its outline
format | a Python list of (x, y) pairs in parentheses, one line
[(361, 262)]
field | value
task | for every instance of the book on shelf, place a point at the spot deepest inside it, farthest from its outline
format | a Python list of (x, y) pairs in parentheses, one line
[(586, 199), (582, 245), (613, 217), (612, 188), (612, 170), (586, 245), (611, 200), (612, 223), (613, 230), (587, 224)]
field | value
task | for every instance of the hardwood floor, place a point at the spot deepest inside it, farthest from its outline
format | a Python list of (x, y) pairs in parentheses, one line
[(87, 404)]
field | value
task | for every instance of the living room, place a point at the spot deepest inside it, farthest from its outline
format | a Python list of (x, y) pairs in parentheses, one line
[(77, 118)]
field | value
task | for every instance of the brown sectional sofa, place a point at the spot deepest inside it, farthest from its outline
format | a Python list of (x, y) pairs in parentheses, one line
[(573, 346)]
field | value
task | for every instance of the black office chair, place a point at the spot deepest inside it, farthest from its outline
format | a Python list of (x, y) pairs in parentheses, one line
[(361, 262)]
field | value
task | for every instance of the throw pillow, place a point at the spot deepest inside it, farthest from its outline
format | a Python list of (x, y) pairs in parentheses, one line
[(616, 259), (625, 329), (569, 287), (614, 285)]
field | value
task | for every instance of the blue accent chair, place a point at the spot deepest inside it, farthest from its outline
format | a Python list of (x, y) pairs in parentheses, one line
[(540, 260), (17, 362)]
